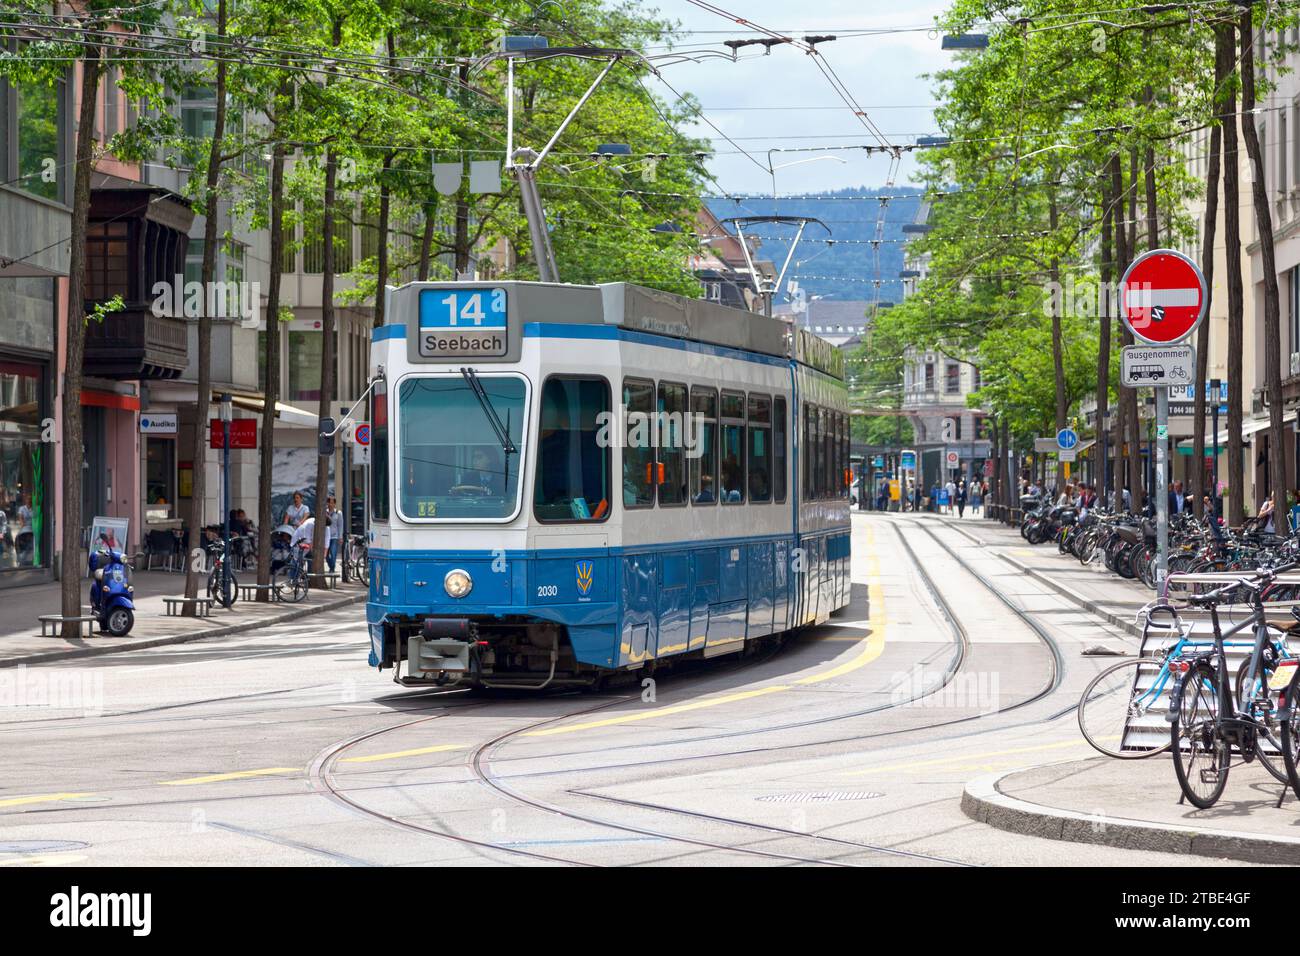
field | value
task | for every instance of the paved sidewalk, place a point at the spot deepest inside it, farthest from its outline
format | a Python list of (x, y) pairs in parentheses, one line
[(1134, 804), (20, 632), (1091, 587)]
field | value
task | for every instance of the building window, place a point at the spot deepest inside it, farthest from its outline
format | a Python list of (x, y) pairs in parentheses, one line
[(952, 378), (24, 464), (108, 270), (572, 462), (304, 359), (39, 139), (638, 448), (929, 376), (1294, 302)]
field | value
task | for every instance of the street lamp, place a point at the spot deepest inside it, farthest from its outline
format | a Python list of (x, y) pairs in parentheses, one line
[(226, 414)]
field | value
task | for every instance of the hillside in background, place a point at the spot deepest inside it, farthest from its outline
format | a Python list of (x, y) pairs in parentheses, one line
[(843, 270)]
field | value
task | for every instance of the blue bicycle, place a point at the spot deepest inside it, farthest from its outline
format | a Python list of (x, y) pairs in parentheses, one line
[(1123, 711)]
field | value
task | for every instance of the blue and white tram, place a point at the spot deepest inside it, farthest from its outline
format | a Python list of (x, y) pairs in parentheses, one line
[(574, 481)]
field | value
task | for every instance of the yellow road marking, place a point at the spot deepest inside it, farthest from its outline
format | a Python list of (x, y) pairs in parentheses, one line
[(965, 759), (404, 753), (240, 775), (42, 798)]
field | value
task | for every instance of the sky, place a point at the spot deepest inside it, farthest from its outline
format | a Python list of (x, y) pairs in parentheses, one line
[(884, 74)]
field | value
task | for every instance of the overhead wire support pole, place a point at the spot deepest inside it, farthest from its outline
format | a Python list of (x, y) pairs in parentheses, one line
[(523, 163)]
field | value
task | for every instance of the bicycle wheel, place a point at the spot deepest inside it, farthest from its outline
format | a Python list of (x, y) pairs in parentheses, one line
[(1200, 753), (1272, 760), (296, 586), (361, 567), (224, 592), (1290, 720), (1125, 697)]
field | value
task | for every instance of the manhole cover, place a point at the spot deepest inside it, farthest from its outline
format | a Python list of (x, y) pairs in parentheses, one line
[(41, 846), (828, 797)]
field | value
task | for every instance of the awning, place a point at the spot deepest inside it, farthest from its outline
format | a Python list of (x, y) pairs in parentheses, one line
[(288, 414), (1248, 428)]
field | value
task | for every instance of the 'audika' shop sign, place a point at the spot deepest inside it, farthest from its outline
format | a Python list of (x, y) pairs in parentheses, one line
[(468, 323)]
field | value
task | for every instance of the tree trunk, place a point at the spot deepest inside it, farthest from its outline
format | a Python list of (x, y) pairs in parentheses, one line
[(426, 241), (319, 529), (194, 572), (462, 208), (1125, 420), (381, 265), (1203, 333), (75, 334), (1103, 345), (265, 519), (1277, 470), (1225, 50), (1058, 351)]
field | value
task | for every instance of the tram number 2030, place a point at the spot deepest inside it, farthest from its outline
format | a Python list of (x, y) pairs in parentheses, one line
[(548, 590)]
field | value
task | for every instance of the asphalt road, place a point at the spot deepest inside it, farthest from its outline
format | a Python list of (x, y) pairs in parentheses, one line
[(849, 746)]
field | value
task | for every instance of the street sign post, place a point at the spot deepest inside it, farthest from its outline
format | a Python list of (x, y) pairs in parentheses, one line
[(1162, 300)]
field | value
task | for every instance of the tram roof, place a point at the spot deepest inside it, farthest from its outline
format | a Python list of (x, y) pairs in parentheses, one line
[(639, 309)]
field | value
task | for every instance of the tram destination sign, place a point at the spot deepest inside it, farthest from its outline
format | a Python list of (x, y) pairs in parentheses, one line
[(463, 323), (1169, 365)]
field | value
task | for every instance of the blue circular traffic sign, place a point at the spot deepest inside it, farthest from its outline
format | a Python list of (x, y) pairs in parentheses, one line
[(1067, 438)]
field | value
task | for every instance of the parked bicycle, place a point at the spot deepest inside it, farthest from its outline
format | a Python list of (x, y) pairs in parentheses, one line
[(223, 586), (1116, 702), (1208, 721), (356, 558), (289, 576)]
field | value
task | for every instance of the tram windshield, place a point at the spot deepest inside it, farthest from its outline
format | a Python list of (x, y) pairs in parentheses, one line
[(451, 461)]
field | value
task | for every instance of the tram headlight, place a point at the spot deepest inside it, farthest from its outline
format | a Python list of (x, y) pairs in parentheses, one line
[(457, 583)]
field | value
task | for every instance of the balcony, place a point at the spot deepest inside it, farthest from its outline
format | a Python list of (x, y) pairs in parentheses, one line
[(136, 238), (136, 344)]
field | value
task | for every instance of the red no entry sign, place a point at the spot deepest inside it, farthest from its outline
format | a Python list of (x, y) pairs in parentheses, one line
[(1162, 296)]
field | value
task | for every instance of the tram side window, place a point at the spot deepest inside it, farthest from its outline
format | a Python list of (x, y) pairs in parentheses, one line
[(817, 448), (639, 477), (572, 459), (733, 448), (778, 449), (379, 452), (833, 455), (828, 443), (845, 463), (672, 446), (760, 448), (806, 455), (704, 465)]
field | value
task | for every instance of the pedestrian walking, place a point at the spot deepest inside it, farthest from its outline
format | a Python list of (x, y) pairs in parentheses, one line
[(961, 499), (333, 531)]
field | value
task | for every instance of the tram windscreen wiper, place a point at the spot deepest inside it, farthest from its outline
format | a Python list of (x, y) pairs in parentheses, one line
[(503, 434)]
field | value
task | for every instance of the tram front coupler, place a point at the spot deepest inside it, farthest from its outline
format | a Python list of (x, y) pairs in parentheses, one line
[(441, 651)]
